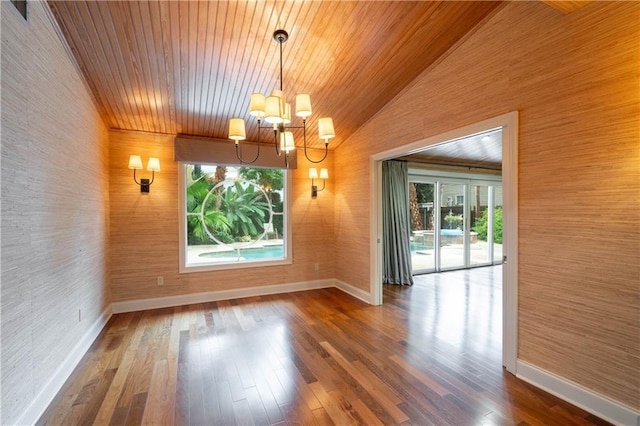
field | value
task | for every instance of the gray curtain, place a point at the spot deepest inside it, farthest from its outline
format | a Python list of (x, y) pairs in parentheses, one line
[(396, 250)]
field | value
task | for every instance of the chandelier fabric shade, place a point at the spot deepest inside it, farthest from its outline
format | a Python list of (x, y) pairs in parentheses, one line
[(275, 110), (286, 142), (236, 130), (325, 128), (303, 105)]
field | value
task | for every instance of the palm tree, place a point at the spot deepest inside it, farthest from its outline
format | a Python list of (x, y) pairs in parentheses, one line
[(244, 211), (198, 222), (416, 220)]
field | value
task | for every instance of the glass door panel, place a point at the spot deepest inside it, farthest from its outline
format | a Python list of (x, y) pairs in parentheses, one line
[(421, 201), (452, 198), (497, 225), (479, 244)]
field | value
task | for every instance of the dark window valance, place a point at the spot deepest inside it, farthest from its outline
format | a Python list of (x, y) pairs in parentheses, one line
[(199, 150)]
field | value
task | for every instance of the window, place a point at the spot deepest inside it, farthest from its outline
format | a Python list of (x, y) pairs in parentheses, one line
[(233, 217)]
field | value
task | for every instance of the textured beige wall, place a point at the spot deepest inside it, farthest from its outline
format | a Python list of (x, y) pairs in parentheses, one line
[(144, 237), (54, 207), (575, 80)]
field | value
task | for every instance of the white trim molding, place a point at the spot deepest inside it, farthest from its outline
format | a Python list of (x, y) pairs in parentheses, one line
[(212, 296), (63, 372), (599, 405), (354, 291)]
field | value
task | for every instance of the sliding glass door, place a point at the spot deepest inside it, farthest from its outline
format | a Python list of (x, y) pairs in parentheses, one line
[(497, 225), (464, 230), (452, 225), (421, 200), (479, 244)]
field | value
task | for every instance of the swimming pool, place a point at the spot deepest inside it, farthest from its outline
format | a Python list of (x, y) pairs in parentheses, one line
[(248, 253), (417, 248)]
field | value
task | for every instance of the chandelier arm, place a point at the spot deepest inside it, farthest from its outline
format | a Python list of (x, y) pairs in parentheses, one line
[(239, 155), (326, 145), (153, 176), (275, 141), (326, 151), (239, 150)]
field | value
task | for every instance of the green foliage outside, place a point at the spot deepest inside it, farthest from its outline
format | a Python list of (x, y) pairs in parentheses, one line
[(235, 212), (482, 225), (216, 222), (424, 192), (271, 180), (244, 210), (454, 221)]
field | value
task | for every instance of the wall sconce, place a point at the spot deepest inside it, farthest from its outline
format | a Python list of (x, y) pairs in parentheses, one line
[(313, 174), (135, 163)]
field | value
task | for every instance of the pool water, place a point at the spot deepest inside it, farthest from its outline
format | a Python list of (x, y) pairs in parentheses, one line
[(415, 247), (256, 253)]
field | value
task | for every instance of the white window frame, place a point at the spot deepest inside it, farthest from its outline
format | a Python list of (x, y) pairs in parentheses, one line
[(182, 242)]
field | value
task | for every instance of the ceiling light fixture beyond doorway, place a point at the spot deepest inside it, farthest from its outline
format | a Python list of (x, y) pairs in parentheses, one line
[(275, 110)]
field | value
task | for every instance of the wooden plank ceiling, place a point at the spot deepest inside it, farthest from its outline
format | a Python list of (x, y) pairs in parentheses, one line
[(187, 67), (483, 150)]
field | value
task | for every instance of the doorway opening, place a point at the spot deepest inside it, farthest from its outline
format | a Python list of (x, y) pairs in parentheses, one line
[(507, 124)]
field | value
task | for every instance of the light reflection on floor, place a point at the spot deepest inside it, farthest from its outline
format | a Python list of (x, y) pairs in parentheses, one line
[(459, 309)]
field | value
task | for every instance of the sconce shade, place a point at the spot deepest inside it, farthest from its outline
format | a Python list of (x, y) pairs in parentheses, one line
[(256, 107), (325, 128), (135, 162), (324, 173), (303, 105), (236, 129), (313, 173), (286, 142), (154, 164)]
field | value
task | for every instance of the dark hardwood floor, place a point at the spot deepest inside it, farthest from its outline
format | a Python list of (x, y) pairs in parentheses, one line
[(430, 355)]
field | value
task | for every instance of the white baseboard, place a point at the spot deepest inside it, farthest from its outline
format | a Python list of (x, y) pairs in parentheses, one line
[(579, 396), (52, 387), (353, 291), (212, 296)]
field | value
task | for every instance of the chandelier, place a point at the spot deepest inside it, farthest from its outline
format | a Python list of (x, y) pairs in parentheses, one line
[(275, 110)]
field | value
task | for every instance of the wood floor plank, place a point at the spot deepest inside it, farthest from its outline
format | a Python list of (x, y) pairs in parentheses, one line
[(333, 403), (258, 413), (419, 375), (136, 412), (385, 396), (266, 395), (316, 357), (110, 400), (292, 378)]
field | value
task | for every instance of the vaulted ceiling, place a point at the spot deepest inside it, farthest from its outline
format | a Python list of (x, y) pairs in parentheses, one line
[(187, 67)]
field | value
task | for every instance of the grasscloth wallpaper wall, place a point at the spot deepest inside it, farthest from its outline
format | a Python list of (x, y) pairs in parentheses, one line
[(54, 207), (575, 81), (144, 237), (77, 234)]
